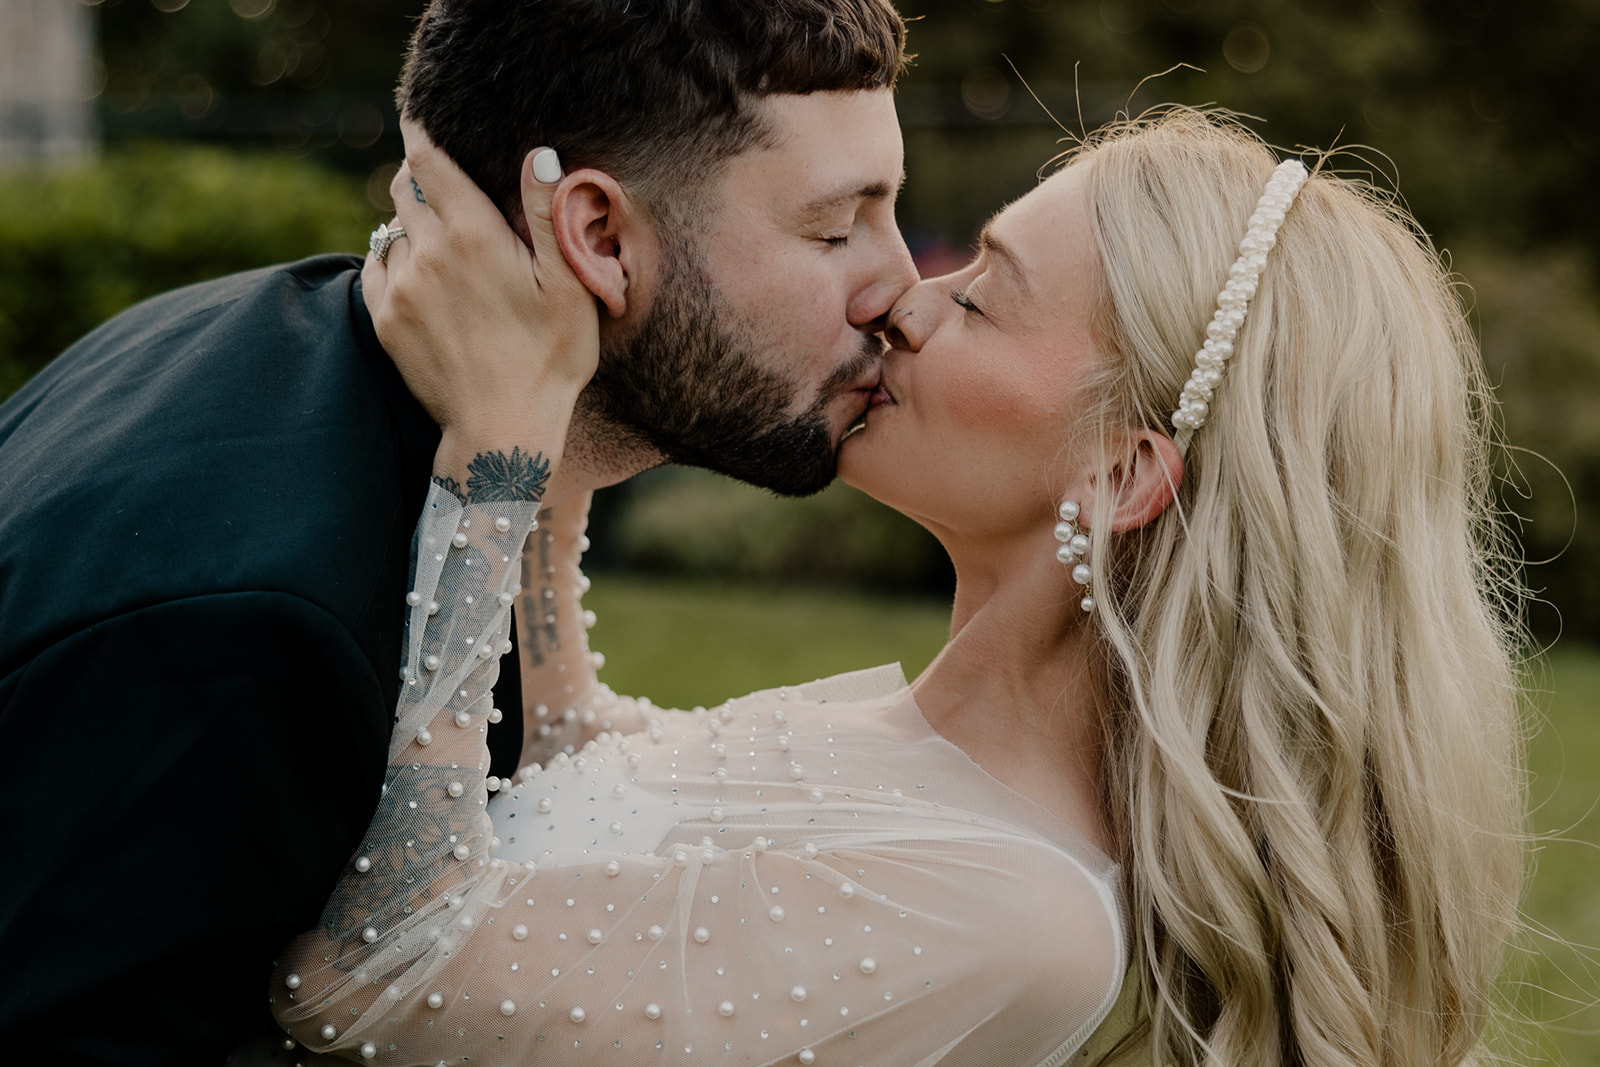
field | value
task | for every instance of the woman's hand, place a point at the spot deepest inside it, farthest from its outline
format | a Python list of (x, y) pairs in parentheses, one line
[(495, 338)]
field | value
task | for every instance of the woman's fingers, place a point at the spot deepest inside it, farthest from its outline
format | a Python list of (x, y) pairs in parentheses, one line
[(410, 207), (541, 172), (433, 178)]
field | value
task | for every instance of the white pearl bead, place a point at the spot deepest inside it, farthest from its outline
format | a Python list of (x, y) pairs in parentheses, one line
[(595, 936), (433, 607), (461, 852), (431, 662), (502, 524), (613, 868), (1064, 554), (413, 598), (1082, 574), (519, 932), (1079, 544), (807, 1056), (508, 1007), (652, 1011), (869, 965), (455, 789), (655, 933), (1087, 603), (776, 913), (1064, 531), (369, 935), (797, 994), (329, 1032), (435, 1000), (369, 1050), (1068, 510), (725, 1009), (424, 738), (701, 935), (363, 864), (459, 540), (847, 890), (292, 981)]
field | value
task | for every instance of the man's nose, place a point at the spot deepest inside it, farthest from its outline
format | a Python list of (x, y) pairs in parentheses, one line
[(895, 274)]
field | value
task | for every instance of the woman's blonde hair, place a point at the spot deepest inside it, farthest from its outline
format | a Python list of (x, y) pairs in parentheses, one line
[(1310, 686)]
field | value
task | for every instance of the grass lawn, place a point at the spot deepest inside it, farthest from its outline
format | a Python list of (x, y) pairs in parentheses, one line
[(684, 643)]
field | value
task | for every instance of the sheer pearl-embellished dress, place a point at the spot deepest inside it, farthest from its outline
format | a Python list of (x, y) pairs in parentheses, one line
[(802, 875)]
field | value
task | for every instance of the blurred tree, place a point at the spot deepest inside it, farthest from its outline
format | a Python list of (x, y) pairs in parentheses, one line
[(306, 77), (1484, 106)]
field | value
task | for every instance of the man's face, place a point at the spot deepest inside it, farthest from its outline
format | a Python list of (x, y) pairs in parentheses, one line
[(758, 350)]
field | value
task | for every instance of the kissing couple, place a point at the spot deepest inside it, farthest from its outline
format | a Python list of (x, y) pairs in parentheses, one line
[(1219, 764)]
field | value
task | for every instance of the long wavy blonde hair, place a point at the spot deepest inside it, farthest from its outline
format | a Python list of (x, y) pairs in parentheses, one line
[(1310, 682)]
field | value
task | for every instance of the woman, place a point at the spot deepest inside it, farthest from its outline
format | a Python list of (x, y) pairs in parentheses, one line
[(1226, 726)]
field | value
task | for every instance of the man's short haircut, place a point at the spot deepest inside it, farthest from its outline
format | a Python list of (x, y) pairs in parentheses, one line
[(657, 93)]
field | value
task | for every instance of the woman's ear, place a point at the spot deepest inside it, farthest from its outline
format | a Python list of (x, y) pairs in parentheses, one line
[(1144, 482), (597, 227)]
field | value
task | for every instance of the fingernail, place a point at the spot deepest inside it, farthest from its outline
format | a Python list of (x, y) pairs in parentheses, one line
[(547, 166)]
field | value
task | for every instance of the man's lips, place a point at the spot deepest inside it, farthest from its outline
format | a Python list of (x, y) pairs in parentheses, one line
[(874, 391), (871, 386)]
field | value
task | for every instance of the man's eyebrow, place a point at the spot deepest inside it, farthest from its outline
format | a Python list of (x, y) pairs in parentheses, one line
[(870, 191), (1001, 252)]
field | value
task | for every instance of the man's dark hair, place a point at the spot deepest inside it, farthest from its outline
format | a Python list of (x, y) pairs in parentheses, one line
[(657, 93)]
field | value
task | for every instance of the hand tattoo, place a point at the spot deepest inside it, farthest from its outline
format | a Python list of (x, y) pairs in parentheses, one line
[(493, 476), (416, 191)]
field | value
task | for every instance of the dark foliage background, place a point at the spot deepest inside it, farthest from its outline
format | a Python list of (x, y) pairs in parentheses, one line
[(240, 132)]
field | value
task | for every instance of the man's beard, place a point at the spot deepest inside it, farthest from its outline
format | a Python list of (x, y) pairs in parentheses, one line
[(688, 382)]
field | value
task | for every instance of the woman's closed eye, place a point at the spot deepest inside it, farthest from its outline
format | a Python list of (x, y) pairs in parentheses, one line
[(965, 302)]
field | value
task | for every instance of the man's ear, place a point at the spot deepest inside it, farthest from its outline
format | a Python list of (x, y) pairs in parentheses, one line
[(1145, 481), (598, 227)]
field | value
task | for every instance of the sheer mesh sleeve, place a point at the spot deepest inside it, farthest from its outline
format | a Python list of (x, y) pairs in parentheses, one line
[(424, 865), (564, 703)]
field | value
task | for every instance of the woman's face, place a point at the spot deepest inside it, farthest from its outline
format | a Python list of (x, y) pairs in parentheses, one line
[(978, 389)]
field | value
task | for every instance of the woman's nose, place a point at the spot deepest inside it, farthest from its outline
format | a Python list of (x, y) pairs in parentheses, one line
[(892, 332), (912, 319)]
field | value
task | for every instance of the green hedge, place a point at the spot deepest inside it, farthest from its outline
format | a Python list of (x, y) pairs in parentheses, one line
[(691, 522), (1538, 315), (78, 245)]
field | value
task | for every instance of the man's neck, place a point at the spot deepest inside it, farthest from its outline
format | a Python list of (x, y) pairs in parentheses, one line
[(599, 453)]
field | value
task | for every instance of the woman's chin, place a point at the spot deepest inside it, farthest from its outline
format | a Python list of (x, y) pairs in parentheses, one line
[(856, 457)]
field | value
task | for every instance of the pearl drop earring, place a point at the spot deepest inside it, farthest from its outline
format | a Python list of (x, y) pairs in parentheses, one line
[(1073, 550)]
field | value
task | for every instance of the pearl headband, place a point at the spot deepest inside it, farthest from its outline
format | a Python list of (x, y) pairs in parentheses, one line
[(1234, 300)]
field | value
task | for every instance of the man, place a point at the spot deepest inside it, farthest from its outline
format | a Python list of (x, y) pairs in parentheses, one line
[(205, 549)]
